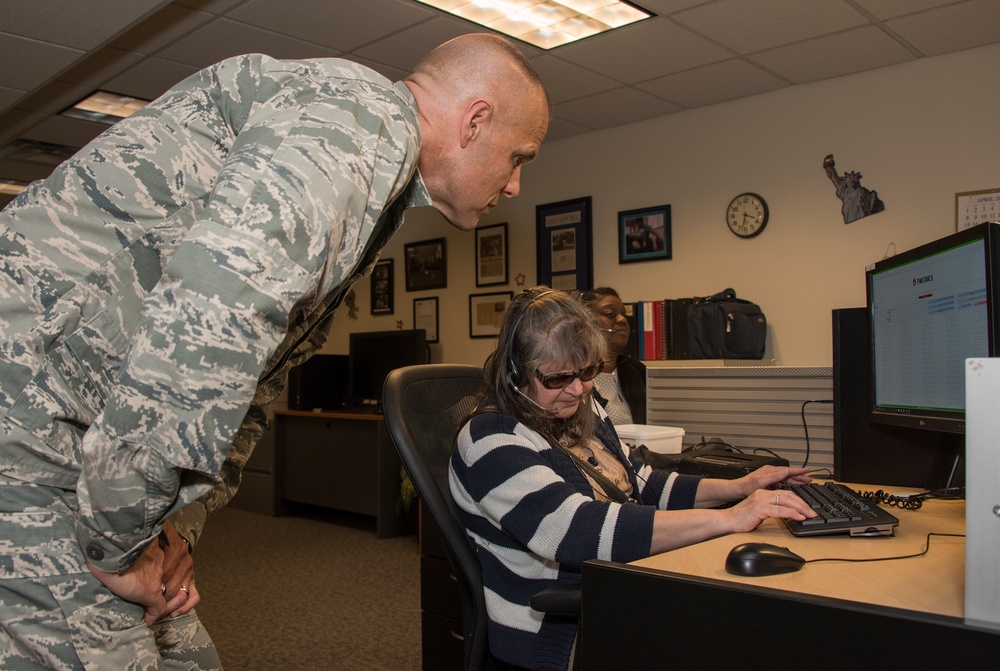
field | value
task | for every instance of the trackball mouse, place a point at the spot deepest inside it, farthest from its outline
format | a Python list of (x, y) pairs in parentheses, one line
[(755, 559)]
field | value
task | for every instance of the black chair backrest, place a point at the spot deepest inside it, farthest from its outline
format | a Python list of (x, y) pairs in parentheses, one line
[(424, 407)]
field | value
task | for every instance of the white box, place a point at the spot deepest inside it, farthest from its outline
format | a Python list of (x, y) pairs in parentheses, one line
[(662, 439)]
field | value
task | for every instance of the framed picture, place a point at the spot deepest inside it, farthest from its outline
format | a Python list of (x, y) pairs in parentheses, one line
[(382, 285), (976, 207), (491, 255), (425, 316), (644, 235), (486, 313), (565, 258), (426, 265)]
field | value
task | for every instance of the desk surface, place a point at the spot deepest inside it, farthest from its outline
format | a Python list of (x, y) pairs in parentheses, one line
[(934, 583), (333, 414)]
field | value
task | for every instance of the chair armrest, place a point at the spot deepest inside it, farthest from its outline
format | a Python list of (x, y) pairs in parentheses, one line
[(559, 600)]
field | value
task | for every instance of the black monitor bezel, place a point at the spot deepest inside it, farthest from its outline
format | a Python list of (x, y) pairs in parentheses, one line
[(947, 422), (389, 340)]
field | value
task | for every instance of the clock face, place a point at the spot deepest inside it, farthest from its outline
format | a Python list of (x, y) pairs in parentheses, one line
[(746, 215)]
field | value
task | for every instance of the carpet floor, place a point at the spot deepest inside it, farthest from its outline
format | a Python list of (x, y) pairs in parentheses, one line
[(309, 592)]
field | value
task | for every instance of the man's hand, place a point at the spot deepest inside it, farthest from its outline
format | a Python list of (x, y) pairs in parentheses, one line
[(155, 581)]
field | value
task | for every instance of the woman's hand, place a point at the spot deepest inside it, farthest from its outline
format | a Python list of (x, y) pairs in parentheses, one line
[(764, 503), (768, 476), (146, 583)]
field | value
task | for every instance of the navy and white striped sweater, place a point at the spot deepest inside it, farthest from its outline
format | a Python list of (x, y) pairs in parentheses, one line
[(533, 520)]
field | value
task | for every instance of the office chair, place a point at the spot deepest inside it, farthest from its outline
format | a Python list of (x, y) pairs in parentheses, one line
[(424, 408)]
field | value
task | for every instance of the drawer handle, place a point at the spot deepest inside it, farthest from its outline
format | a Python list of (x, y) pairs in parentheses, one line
[(457, 636)]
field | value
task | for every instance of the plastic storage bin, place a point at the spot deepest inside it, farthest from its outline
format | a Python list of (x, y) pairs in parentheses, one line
[(662, 439)]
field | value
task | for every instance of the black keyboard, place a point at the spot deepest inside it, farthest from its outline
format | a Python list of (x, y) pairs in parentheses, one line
[(840, 510)]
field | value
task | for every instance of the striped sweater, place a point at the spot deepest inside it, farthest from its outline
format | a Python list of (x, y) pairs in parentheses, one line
[(533, 520)]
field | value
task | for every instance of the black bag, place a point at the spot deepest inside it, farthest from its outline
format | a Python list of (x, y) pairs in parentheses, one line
[(726, 327)]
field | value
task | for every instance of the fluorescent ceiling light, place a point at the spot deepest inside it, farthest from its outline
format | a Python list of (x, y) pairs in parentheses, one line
[(544, 23), (104, 107), (11, 187)]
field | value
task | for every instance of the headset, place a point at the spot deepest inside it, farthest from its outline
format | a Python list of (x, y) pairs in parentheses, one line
[(517, 376)]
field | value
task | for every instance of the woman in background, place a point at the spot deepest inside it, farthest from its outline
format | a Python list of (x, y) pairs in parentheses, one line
[(543, 483), (621, 386)]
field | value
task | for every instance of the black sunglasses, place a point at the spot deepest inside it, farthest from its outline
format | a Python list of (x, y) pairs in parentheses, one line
[(560, 380)]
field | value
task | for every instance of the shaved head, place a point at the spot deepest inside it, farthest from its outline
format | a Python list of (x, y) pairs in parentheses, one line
[(472, 62), (483, 113)]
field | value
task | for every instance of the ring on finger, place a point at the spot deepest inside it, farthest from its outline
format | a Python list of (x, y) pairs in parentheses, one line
[(777, 499), (163, 589), (185, 589)]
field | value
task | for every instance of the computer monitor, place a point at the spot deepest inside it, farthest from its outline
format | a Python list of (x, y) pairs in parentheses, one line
[(373, 354), (929, 309)]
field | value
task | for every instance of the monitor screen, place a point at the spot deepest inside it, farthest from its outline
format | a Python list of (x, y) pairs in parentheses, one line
[(375, 353), (929, 309)]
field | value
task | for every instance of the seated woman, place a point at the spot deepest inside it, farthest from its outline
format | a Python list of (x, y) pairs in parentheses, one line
[(543, 483), (620, 387)]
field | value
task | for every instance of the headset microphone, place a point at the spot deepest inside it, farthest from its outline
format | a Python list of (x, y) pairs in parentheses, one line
[(532, 400)]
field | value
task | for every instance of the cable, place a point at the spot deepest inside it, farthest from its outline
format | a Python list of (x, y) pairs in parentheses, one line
[(927, 546), (805, 427)]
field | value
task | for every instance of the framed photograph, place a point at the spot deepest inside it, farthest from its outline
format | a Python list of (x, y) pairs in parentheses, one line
[(565, 256), (491, 255), (382, 285), (976, 207), (486, 313), (426, 265), (425, 316), (644, 235)]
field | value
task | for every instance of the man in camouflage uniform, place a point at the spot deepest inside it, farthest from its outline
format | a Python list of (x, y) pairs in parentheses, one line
[(155, 290)]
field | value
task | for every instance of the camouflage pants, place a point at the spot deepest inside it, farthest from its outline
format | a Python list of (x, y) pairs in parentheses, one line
[(55, 615)]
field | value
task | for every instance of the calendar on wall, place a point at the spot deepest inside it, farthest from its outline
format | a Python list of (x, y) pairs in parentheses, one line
[(976, 207)]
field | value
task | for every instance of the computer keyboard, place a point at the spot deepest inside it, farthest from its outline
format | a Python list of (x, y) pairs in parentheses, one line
[(840, 510)]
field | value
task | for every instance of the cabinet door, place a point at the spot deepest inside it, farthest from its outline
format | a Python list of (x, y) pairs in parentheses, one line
[(330, 462)]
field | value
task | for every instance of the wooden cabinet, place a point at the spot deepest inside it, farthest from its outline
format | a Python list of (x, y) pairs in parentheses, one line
[(441, 610), (344, 461)]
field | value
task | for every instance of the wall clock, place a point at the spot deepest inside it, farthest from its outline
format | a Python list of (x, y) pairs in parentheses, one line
[(746, 215)]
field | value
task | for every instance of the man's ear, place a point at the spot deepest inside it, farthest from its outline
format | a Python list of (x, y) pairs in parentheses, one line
[(478, 113)]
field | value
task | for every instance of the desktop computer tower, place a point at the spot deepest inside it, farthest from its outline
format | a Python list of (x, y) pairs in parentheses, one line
[(879, 454)]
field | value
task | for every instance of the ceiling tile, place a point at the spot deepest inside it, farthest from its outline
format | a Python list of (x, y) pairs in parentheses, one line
[(402, 50), (566, 81), (614, 108), (83, 25), (834, 55), (713, 83), (100, 66), (27, 63), (223, 38), (887, 9), (149, 79), (353, 24), (643, 51), (167, 26), (65, 131), (748, 26), (962, 26)]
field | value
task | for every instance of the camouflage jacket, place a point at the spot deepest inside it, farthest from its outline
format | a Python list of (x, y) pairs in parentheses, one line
[(155, 288)]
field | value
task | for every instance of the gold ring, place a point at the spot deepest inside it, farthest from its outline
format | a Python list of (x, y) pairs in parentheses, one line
[(163, 589), (184, 589), (777, 498)]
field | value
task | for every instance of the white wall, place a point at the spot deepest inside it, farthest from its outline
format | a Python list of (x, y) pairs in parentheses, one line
[(918, 132)]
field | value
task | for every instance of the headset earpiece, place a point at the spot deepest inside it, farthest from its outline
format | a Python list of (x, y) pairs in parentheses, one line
[(517, 376)]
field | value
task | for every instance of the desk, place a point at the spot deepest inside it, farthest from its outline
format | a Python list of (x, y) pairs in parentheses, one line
[(690, 610), (345, 461)]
